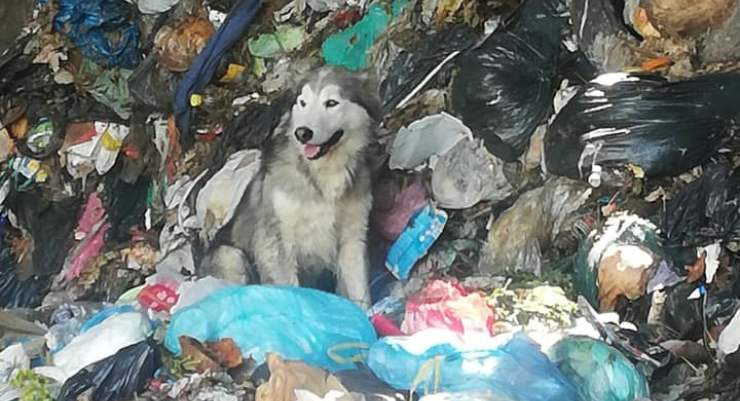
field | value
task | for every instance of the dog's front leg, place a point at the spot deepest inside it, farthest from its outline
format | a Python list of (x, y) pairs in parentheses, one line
[(276, 260), (352, 274)]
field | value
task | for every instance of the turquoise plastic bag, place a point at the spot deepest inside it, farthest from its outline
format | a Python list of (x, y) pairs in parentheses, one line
[(316, 327), (433, 361), (598, 371)]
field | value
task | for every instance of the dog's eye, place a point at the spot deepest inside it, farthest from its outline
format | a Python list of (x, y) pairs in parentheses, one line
[(330, 103), (302, 102)]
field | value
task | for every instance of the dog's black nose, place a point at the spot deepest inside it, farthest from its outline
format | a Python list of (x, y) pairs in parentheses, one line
[(303, 134)]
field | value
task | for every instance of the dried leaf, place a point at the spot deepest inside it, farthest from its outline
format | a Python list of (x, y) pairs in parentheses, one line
[(696, 272)]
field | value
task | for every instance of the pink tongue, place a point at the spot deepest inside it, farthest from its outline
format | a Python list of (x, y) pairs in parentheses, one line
[(310, 150)]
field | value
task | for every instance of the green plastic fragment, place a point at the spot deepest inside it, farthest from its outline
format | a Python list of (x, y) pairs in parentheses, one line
[(348, 48), (285, 39)]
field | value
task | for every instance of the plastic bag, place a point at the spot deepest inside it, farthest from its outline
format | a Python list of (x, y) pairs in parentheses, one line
[(520, 235), (152, 85), (706, 210), (597, 371), (467, 175), (504, 87), (447, 305), (424, 138), (117, 377), (16, 293), (89, 23), (617, 260), (438, 360), (295, 323), (664, 128), (349, 48), (601, 34), (394, 203), (102, 340), (409, 69)]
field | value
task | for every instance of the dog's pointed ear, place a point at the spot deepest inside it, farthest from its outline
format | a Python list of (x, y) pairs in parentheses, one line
[(370, 85)]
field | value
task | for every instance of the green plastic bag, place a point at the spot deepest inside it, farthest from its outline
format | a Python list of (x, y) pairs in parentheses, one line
[(598, 371)]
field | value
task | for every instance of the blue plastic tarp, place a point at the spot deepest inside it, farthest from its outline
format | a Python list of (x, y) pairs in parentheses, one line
[(296, 323), (205, 65)]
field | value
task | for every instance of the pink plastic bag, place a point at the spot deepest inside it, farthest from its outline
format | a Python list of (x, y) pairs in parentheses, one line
[(447, 304), (394, 206)]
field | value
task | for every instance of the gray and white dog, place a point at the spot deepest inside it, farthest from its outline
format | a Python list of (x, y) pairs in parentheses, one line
[(308, 205)]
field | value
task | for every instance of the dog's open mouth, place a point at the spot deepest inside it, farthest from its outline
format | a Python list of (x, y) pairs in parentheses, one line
[(314, 152)]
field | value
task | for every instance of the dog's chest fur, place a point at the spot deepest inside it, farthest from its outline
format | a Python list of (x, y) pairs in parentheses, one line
[(308, 219)]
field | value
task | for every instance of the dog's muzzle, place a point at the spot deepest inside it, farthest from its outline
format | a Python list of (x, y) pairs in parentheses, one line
[(312, 151)]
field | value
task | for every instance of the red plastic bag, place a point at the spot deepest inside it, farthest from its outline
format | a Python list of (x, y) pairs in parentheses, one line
[(447, 304), (158, 297)]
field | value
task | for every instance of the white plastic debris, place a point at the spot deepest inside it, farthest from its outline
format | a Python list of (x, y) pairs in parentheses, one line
[(101, 341), (305, 395), (12, 359), (98, 153), (154, 6), (432, 135), (729, 340), (221, 195), (321, 6), (711, 263)]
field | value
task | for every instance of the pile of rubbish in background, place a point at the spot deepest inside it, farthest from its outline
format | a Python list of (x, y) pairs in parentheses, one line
[(556, 203)]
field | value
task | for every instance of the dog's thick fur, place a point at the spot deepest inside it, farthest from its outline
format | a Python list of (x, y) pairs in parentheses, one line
[(301, 214)]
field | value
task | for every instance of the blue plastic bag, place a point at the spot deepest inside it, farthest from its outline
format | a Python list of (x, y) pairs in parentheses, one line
[(296, 323), (598, 371), (89, 24), (436, 360), (424, 227)]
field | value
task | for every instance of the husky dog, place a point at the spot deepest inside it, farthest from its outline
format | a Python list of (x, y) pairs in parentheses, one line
[(308, 205)]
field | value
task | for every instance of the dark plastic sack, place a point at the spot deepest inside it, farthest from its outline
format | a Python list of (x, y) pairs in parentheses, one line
[(684, 315), (601, 33), (37, 215), (127, 204), (15, 293), (91, 23), (666, 128), (504, 87), (707, 210), (152, 86), (118, 377), (410, 68)]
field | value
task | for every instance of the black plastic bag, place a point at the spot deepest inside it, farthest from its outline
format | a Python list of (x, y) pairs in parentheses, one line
[(37, 215), (601, 33), (504, 87), (152, 85), (410, 68), (117, 377), (707, 210), (665, 128), (16, 293), (126, 204)]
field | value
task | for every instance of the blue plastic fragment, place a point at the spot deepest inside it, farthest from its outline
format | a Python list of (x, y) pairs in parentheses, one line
[(425, 226), (90, 23)]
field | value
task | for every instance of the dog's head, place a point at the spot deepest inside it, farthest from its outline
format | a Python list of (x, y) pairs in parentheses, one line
[(334, 109)]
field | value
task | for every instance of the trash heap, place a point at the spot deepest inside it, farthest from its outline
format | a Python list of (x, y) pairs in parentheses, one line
[(556, 201)]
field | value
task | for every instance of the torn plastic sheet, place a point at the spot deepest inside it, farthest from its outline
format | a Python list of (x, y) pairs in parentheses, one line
[(98, 151), (432, 135), (218, 199), (468, 174)]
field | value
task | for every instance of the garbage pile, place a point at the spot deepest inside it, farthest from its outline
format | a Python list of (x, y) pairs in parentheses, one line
[(556, 201)]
